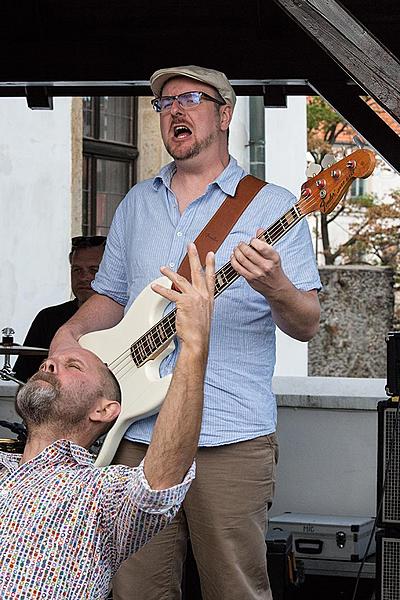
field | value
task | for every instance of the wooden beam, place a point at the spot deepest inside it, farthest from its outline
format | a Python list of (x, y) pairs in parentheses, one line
[(352, 46), (363, 119)]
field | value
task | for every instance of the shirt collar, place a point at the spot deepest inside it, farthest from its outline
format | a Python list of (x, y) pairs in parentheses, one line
[(227, 181), (52, 453)]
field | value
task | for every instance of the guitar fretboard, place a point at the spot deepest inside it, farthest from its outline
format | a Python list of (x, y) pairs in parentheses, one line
[(160, 334)]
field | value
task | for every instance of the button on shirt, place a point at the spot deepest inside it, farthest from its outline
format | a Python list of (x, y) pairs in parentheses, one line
[(239, 403), (66, 525)]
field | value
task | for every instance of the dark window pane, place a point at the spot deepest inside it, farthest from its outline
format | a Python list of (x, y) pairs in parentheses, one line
[(357, 188), (88, 117), (113, 180), (109, 158), (86, 190), (116, 119)]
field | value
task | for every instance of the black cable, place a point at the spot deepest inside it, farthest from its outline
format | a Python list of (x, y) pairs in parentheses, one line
[(18, 428), (379, 507)]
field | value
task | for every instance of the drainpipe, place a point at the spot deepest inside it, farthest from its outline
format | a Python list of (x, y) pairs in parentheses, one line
[(257, 140)]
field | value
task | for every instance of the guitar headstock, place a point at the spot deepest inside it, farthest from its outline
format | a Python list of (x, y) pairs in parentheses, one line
[(324, 191)]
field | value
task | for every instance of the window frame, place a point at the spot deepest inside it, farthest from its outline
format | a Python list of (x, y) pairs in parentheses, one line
[(94, 149)]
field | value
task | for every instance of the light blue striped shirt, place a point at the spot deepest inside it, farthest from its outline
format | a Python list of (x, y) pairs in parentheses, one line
[(148, 231)]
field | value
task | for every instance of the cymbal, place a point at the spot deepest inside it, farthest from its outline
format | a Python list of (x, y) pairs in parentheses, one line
[(25, 350)]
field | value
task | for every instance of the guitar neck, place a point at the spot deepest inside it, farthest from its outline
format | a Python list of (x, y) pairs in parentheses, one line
[(151, 343), (226, 275)]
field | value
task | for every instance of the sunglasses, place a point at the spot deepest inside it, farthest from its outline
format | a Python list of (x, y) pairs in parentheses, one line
[(87, 241), (185, 100)]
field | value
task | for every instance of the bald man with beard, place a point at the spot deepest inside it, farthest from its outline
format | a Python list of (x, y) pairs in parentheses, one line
[(66, 525)]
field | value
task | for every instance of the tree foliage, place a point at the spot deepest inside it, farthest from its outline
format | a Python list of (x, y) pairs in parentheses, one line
[(324, 125), (374, 223)]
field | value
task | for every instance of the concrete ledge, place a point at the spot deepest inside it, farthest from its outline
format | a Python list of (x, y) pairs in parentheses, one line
[(340, 393)]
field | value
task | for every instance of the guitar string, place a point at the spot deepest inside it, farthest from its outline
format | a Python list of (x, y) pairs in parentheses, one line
[(279, 228)]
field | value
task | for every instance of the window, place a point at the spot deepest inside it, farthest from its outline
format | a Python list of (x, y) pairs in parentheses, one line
[(109, 158), (358, 188)]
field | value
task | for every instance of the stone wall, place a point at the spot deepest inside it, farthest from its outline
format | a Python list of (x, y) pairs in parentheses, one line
[(152, 154), (356, 313)]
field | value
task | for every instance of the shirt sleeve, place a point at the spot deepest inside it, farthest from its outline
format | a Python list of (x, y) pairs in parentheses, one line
[(111, 279), (133, 513)]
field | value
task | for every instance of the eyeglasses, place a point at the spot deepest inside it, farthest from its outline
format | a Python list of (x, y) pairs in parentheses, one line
[(185, 100), (87, 241)]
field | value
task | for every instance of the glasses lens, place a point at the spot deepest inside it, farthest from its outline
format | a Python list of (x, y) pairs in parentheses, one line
[(186, 100), (156, 104), (189, 99), (87, 241)]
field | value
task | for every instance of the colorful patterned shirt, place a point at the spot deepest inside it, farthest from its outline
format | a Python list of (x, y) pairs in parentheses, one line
[(66, 525)]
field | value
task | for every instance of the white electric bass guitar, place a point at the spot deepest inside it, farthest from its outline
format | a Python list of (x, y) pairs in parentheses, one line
[(134, 348)]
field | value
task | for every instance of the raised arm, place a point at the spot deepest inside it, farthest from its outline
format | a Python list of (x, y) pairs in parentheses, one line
[(176, 433)]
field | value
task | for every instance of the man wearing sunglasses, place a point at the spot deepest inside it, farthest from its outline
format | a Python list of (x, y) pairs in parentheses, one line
[(225, 511), (84, 258)]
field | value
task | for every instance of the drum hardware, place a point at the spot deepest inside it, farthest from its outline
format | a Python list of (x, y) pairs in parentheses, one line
[(12, 445), (7, 377), (7, 339), (9, 348)]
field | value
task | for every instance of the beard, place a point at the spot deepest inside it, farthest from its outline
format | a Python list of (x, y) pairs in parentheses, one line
[(193, 150), (42, 402)]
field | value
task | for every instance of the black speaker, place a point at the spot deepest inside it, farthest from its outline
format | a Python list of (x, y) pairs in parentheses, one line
[(388, 471), (387, 565), (393, 363)]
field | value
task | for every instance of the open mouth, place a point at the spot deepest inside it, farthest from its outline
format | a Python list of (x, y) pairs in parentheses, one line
[(181, 132)]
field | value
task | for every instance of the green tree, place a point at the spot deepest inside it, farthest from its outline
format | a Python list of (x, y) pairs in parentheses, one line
[(324, 126)]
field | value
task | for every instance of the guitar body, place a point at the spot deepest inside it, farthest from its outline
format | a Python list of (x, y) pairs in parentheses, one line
[(143, 390)]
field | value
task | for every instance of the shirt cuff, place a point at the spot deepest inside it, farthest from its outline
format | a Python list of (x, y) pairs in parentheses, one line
[(120, 299), (160, 501)]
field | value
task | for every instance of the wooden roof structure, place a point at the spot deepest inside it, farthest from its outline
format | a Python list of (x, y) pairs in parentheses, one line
[(341, 51)]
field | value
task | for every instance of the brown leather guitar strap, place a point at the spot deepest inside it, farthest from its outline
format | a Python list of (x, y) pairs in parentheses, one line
[(216, 230)]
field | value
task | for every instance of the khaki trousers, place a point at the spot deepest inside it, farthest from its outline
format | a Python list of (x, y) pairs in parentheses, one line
[(225, 515)]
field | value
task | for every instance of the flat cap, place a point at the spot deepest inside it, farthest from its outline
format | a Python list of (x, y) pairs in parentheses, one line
[(216, 79)]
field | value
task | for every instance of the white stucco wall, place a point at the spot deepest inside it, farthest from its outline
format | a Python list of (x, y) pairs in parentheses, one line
[(286, 161), (285, 157), (239, 133), (35, 210)]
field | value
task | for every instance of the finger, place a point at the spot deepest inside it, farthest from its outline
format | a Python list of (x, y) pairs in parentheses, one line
[(260, 231), (240, 269), (167, 293), (179, 282), (247, 254), (247, 266), (196, 268), (262, 249), (210, 273)]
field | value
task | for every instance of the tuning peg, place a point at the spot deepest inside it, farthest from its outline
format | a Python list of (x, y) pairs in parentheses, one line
[(313, 169), (328, 161)]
